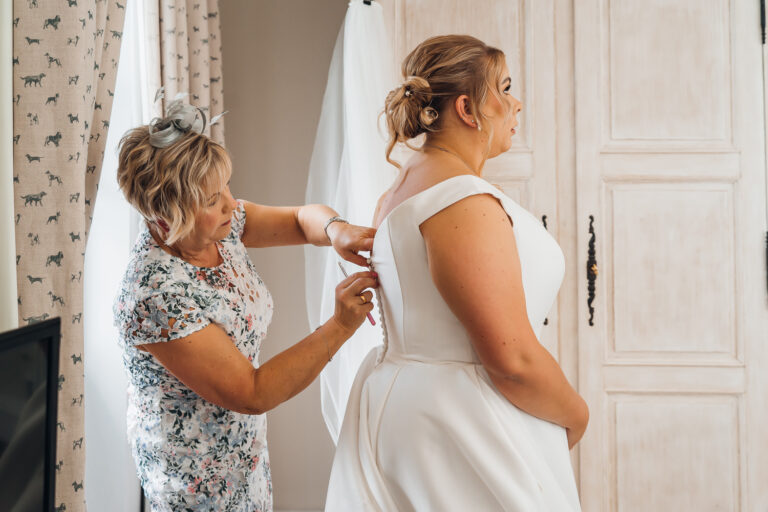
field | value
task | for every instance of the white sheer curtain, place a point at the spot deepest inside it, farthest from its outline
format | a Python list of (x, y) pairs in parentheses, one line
[(348, 171), (110, 472)]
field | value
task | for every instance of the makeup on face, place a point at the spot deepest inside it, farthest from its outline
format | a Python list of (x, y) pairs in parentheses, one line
[(507, 81), (506, 85)]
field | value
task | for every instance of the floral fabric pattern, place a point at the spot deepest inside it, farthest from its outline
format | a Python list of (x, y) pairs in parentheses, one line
[(190, 453)]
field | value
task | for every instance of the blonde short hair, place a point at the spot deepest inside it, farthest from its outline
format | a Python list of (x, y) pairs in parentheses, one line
[(171, 184), (436, 72)]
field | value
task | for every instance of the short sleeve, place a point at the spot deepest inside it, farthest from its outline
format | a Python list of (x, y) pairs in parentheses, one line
[(238, 220), (163, 316)]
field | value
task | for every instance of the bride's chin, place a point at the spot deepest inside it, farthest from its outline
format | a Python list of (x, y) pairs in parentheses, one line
[(500, 150)]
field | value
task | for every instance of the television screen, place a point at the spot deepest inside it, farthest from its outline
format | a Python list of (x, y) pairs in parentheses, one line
[(29, 367)]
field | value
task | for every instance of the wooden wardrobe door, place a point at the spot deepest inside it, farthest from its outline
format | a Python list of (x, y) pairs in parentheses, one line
[(670, 163)]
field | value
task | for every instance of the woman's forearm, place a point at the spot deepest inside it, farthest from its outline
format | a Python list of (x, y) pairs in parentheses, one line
[(292, 370), (541, 389), (312, 218)]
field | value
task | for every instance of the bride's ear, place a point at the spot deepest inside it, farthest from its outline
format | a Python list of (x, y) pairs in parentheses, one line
[(463, 111)]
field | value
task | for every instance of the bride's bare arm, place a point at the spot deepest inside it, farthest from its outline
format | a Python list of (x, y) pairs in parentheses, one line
[(474, 263)]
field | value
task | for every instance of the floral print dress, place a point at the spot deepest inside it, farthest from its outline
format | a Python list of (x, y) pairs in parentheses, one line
[(192, 454)]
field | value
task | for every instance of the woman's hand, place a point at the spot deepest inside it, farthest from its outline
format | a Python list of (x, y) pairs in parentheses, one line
[(349, 239), (351, 309)]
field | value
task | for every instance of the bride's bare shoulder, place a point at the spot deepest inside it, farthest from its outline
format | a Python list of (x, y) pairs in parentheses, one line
[(414, 178), (476, 215)]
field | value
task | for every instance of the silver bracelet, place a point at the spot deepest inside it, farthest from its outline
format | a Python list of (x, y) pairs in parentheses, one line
[(327, 347), (328, 223)]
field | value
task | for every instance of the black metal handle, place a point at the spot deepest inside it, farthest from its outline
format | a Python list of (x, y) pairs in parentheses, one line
[(762, 18), (591, 270)]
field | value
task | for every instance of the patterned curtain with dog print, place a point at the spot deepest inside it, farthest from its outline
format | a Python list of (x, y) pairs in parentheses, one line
[(190, 56), (65, 56)]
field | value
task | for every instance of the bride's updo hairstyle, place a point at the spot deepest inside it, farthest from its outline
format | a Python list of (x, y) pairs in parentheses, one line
[(436, 72)]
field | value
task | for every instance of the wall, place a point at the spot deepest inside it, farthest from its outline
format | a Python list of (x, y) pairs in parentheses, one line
[(275, 58)]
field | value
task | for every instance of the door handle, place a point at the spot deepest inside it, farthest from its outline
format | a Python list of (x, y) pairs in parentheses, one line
[(591, 270)]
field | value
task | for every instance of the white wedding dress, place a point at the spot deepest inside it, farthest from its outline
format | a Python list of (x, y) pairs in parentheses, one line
[(425, 429)]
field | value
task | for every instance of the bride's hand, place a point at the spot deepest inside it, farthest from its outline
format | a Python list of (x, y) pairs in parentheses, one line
[(349, 239)]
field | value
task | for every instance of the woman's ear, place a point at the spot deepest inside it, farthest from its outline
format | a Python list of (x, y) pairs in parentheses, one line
[(463, 111)]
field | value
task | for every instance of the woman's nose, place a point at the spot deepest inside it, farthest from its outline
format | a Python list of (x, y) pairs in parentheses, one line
[(232, 203)]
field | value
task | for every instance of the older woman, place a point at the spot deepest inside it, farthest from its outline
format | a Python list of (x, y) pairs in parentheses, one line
[(192, 314)]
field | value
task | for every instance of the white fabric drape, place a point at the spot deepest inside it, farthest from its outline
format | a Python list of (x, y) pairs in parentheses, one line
[(348, 172), (9, 317), (109, 467)]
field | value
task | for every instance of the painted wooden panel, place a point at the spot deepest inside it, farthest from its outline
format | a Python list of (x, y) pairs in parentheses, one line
[(670, 173), (669, 70), (671, 267), (675, 453)]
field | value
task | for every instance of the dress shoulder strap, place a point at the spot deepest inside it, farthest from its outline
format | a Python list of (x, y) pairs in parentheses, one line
[(443, 194)]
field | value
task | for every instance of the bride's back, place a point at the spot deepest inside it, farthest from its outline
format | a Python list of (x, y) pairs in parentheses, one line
[(419, 323)]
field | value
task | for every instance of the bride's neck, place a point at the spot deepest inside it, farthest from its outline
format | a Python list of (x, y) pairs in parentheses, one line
[(463, 149)]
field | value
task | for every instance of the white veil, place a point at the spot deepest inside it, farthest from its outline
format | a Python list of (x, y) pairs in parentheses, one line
[(348, 172)]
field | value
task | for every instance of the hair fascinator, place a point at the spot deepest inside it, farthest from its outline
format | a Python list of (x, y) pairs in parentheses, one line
[(179, 119)]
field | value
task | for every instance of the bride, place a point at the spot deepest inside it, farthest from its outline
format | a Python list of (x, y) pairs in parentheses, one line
[(462, 408)]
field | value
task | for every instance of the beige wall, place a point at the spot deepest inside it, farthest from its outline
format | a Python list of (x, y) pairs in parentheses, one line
[(276, 56)]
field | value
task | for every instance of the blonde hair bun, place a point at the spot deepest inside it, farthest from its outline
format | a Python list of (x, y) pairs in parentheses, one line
[(437, 71)]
